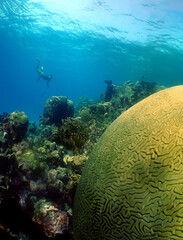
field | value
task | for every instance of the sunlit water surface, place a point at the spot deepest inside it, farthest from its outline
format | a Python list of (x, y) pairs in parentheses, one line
[(82, 43)]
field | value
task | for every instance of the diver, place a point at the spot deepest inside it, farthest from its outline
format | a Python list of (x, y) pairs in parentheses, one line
[(42, 75)]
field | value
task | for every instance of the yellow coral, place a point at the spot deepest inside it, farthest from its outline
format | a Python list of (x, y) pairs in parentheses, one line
[(132, 184)]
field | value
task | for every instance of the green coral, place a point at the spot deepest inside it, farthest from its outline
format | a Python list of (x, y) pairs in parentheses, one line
[(85, 115), (18, 118), (31, 160)]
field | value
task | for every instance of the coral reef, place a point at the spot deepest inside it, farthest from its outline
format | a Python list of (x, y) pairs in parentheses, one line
[(131, 185), (50, 219), (109, 91), (33, 169), (73, 134), (15, 126), (82, 103), (40, 166), (76, 162), (116, 100), (56, 109), (98, 116)]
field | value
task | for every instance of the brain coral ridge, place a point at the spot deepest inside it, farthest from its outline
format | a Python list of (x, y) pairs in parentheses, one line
[(132, 183)]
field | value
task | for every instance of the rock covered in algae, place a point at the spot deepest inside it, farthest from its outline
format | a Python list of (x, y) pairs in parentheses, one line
[(132, 183)]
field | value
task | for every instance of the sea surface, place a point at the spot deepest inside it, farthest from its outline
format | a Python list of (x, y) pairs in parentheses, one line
[(82, 43)]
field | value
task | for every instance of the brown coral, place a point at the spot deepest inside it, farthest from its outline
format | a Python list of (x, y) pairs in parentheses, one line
[(73, 134)]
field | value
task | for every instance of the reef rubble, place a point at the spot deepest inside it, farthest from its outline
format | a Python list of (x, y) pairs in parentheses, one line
[(40, 166)]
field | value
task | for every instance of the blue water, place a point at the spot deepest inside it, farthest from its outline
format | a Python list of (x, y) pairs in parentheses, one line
[(82, 43)]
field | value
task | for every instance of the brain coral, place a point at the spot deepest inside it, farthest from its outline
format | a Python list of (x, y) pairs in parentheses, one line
[(132, 184)]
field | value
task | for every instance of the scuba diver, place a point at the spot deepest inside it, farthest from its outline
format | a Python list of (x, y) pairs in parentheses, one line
[(42, 75)]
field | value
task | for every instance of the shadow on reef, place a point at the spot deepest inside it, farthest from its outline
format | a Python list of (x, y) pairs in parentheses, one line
[(40, 167), (12, 217)]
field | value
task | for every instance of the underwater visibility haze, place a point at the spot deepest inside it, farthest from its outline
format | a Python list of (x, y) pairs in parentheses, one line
[(82, 43)]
